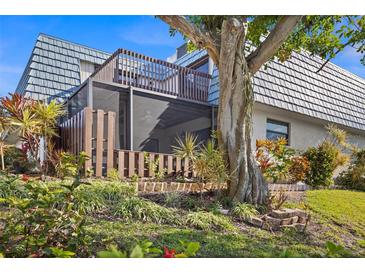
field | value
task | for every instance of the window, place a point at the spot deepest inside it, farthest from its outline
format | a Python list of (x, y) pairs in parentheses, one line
[(277, 129), (201, 65)]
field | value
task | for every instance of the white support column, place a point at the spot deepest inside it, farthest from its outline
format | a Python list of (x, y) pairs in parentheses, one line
[(90, 92), (131, 118)]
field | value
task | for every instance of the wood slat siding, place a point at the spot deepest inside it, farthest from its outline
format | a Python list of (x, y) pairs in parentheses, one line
[(137, 70), (121, 163), (88, 134), (131, 161), (77, 135), (111, 140), (99, 142)]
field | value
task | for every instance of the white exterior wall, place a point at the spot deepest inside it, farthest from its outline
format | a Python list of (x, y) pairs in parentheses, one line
[(304, 131)]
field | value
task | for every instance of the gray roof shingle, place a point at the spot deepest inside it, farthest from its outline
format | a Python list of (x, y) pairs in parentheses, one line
[(53, 69), (333, 94)]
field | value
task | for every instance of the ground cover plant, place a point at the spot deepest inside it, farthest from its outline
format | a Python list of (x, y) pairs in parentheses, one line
[(101, 218)]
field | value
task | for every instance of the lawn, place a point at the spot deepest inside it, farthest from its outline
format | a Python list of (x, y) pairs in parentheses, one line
[(337, 216)]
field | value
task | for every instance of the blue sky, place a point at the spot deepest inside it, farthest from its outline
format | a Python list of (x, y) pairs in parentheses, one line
[(144, 34)]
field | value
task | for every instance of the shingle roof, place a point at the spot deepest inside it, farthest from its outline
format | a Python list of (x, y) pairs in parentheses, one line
[(53, 69), (333, 94)]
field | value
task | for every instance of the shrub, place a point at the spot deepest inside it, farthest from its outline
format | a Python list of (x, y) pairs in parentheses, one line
[(113, 174), (146, 249), (70, 165), (298, 168), (327, 157), (173, 199), (277, 200), (16, 160), (244, 211), (12, 186), (99, 196), (153, 165), (44, 219), (322, 164), (209, 164), (208, 221), (274, 159), (354, 176), (135, 208)]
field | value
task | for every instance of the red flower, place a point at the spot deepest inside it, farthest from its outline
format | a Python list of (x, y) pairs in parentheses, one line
[(168, 253), (25, 178)]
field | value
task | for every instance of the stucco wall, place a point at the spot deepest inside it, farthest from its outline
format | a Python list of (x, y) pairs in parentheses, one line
[(303, 131)]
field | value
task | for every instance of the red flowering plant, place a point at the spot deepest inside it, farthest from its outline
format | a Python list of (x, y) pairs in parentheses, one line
[(25, 178), (168, 253)]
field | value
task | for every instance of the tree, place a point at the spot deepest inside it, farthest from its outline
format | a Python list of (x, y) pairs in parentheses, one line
[(239, 46)]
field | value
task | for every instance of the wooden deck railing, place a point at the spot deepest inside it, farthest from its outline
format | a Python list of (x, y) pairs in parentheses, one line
[(93, 131), (140, 71)]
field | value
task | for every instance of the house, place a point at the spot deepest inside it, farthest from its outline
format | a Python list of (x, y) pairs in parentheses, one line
[(154, 100)]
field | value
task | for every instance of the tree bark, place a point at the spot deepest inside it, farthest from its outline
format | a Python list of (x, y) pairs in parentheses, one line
[(246, 182)]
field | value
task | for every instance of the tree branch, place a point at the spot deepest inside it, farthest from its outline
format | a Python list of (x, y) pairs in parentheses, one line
[(272, 43), (196, 35)]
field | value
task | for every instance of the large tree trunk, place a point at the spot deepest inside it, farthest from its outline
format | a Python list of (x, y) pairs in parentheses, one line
[(246, 183)]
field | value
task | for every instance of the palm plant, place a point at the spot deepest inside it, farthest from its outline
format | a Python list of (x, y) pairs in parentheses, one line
[(47, 115), (31, 120), (186, 147)]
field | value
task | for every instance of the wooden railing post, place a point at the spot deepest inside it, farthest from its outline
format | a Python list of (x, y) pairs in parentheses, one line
[(121, 164), (88, 122), (99, 142), (111, 138)]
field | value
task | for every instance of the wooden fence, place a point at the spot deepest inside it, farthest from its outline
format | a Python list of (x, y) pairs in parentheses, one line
[(93, 131)]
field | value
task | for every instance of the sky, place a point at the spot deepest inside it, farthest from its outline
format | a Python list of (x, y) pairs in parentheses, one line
[(144, 34)]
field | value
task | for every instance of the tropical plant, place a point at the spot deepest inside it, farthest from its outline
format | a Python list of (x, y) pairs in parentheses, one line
[(274, 158), (186, 147), (70, 165), (47, 116), (32, 120), (299, 167), (209, 164), (354, 176)]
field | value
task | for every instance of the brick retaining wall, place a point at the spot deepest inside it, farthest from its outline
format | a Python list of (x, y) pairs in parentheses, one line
[(156, 187)]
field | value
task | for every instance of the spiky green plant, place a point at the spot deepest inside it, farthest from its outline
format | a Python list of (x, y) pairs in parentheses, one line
[(186, 147)]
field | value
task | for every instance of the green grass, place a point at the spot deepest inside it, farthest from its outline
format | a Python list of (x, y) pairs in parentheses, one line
[(343, 208), (251, 243), (337, 216)]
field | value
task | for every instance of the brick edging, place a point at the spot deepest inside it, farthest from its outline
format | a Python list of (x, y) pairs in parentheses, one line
[(156, 187)]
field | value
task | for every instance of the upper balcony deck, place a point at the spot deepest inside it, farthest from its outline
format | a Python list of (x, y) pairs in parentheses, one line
[(137, 70)]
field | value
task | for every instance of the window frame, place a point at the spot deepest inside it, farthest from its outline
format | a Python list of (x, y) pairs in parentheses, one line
[(198, 63), (278, 122)]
